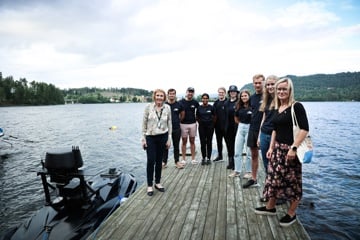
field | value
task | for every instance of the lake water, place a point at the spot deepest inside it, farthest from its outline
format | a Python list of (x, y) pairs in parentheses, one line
[(330, 204)]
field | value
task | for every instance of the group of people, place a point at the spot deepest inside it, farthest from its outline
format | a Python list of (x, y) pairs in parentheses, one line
[(248, 123)]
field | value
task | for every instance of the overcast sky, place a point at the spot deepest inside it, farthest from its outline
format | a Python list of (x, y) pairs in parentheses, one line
[(152, 44)]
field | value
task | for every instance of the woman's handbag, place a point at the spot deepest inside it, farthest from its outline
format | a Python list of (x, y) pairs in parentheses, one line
[(305, 150)]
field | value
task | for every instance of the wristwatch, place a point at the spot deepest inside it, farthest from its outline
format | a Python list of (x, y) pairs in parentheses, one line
[(294, 148)]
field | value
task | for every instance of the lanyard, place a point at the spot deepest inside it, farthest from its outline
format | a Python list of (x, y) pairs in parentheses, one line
[(159, 117)]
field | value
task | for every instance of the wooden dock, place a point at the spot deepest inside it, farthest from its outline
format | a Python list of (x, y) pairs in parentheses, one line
[(200, 202)]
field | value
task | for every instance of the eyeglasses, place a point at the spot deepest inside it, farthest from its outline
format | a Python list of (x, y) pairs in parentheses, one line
[(282, 89)]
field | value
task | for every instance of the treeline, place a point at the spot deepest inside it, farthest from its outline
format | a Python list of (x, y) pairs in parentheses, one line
[(105, 95), (325, 87), (317, 87), (22, 92)]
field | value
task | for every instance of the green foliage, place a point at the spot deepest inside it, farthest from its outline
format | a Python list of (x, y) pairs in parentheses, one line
[(325, 87), (98, 95), (20, 92)]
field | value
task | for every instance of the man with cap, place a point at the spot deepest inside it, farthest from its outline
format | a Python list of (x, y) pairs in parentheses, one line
[(188, 124), (230, 125)]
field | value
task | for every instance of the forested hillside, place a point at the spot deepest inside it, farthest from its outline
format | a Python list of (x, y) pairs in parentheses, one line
[(325, 87), (317, 87)]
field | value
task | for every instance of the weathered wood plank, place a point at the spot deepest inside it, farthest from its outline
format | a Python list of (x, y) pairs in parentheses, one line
[(200, 202)]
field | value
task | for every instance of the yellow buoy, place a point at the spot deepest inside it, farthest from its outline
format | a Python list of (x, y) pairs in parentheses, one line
[(113, 127)]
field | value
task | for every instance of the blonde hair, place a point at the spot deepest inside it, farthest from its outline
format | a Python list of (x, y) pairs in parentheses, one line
[(158, 90), (266, 96), (290, 91), (222, 88), (256, 76)]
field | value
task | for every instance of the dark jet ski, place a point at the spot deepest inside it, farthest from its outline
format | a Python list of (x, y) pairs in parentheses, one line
[(74, 208)]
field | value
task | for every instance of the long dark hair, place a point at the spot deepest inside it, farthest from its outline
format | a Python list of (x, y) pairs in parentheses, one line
[(240, 103)]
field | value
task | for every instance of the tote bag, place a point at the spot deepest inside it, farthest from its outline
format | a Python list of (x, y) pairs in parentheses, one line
[(305, 150)]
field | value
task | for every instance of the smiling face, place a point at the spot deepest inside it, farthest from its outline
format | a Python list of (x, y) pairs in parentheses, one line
[(283, 91), (270, 86), (171, 96), (221, 93), (189, 95), (245, 97), (205, 99), (258, 84), (159, 97)]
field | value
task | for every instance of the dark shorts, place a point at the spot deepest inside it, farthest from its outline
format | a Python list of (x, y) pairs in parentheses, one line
[(252, 138)]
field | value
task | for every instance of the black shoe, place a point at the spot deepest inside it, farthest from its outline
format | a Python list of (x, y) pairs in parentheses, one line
[(203, 161), (150, 192), (264, 199), (265, 211), (251, 183), (218, 159), (208, 162), (230, 167), (287, 220), (160, 189)]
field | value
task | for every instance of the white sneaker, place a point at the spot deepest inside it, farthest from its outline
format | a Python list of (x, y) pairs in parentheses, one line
[(194, 161), (247, 175), (183, 162), (234, 174)]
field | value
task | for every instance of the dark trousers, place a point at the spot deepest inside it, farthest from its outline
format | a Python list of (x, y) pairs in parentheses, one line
[(155, 151), (220, 135), (175, 137), (230, 140), (206, 132)]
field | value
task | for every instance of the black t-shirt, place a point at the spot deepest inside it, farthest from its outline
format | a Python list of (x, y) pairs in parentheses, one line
[(176, 108), (190, 107), (230, 113), (267, 125), (244, 115), (283, 123), (256, 116), (220, 114), (205, 114)]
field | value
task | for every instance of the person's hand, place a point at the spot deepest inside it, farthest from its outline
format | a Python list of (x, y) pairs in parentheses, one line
[(269, 153), (143, 144), (168, 144), (291, 154)]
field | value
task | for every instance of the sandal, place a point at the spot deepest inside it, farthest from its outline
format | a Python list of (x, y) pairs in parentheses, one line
[(179, 166)]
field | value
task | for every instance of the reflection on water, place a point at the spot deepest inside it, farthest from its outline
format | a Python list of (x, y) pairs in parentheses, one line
[(331, 183)]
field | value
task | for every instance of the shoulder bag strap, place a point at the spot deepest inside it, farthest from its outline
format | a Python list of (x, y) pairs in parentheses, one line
[(293, 115)]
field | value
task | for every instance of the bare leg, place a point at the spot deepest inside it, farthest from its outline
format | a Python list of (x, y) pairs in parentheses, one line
[(192, 147), (254, 161), (183, 148), (292, 208), (271, 203)]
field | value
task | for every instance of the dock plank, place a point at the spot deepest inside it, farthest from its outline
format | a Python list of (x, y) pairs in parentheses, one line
[(200, 202)]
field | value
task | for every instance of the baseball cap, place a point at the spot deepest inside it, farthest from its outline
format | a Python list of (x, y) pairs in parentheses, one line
[(190, 89)]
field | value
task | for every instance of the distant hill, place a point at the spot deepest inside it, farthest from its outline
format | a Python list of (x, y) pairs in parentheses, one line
[(325, 87)]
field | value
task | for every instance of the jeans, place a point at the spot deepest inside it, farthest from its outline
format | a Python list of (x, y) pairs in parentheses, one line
[(264, 147), (155, 150), (240, 141)]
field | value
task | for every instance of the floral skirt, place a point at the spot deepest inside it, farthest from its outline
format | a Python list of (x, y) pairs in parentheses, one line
[(284, 177)]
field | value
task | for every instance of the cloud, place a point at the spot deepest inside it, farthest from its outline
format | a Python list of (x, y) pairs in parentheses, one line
[(200, 43)]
